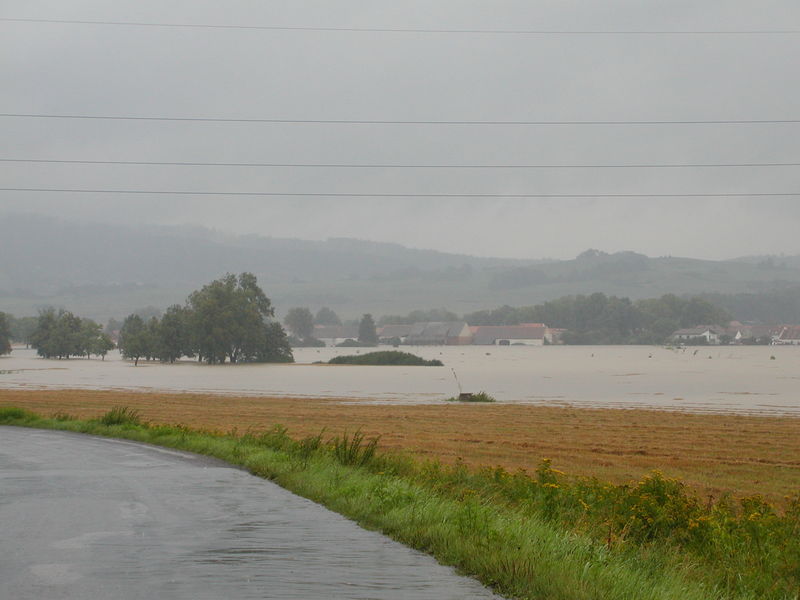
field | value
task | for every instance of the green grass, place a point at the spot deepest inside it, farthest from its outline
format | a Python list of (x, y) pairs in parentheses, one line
[(120, 415), (385, 357), (539, 536)]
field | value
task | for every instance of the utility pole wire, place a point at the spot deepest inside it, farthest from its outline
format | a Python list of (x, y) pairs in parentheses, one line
[(399, 121), (397, 166), (543, 32), (397, 195)]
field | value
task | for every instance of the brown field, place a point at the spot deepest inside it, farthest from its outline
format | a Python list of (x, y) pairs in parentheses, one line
[(712, 453)]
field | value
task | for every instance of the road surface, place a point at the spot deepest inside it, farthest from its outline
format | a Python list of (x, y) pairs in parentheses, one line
[(91, 518)]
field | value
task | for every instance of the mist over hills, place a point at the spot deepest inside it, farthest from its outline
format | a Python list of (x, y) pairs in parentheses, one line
[(102, 271)]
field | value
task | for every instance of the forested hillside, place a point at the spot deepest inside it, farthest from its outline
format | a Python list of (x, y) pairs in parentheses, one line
[(103, 271)]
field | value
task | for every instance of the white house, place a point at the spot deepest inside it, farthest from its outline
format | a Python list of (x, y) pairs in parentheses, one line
[(709, 333)]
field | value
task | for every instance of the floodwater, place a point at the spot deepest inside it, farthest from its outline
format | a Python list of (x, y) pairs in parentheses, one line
[(86, 517), (734, 379)]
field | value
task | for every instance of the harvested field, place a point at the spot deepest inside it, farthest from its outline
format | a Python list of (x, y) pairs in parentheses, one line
[(714, 454)]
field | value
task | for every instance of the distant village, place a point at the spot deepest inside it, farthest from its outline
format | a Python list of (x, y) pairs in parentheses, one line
[(460, 333), (451, 333), (740, 333)]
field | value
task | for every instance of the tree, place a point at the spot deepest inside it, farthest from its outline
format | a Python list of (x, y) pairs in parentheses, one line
[(89, 334), (22, 328), (231, 318), (300, 322), (42, 337), (5, 334), (58, 335), (133, 338), (366, 330), (113, 325), (152, 331), (101, 345), (326, 316), (173, 334), (274, 345)]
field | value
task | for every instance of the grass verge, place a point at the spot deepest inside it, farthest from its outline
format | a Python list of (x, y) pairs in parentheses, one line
[(537, 536)]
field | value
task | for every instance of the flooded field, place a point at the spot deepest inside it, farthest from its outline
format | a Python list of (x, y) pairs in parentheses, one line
[(722, 379)]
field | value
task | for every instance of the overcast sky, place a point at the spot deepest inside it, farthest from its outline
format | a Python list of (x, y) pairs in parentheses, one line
[(74, 69)]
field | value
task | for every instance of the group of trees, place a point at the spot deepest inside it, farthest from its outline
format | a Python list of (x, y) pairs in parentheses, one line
[(300, 321), (62, 334), (419, 316), (601, 319), (229, 319)]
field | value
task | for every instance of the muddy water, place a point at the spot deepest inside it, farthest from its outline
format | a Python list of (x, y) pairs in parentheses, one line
[(724, 379)]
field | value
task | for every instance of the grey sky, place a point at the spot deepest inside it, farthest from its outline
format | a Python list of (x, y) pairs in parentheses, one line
[(120, 70)]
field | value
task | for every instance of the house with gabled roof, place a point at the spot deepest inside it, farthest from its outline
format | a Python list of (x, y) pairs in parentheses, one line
[(789, 336), (710, 334), (392, 333), (451, 333)]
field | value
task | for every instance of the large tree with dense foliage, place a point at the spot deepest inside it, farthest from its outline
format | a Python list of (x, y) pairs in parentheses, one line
[(231, 318), (173, 337), (366, 330), (5, 334), (326, 316), (22, 328), (300, 322), (134, 341)]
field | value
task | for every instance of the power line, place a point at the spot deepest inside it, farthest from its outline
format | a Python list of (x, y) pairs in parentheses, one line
[(399, 166), (398, 195), (413, 30), (399, 122)]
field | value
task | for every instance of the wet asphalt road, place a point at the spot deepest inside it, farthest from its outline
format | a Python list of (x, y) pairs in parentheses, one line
[(91, 518)]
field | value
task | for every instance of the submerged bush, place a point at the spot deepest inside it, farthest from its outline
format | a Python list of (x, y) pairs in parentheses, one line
[(467, 397), (385, 357)]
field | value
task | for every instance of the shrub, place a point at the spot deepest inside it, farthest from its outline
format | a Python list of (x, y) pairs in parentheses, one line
[(467, 397), (121, 415), (13, 413), (385, 357), (354, 451)]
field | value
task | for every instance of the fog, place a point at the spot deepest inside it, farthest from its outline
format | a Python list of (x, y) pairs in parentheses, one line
[(307, 74)]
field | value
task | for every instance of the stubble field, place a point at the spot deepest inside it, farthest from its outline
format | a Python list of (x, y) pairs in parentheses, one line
[(714, 454)]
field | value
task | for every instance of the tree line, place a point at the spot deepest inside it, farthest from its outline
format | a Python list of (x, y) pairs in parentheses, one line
[(62, 334), (601, 319), (229, 319)]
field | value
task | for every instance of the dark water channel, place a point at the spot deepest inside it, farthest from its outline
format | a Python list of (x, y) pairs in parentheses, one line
[(85, 517)]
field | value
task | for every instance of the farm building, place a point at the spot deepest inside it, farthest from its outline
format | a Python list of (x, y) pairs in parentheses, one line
[(709, 333), (452, 333), (526, 334)]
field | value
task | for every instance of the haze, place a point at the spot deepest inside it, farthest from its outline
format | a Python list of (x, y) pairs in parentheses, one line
[(79, 69)]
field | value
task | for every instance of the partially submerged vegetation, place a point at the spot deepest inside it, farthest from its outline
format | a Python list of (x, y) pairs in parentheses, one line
[(385, 357), (469, 397), (542, 535)]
